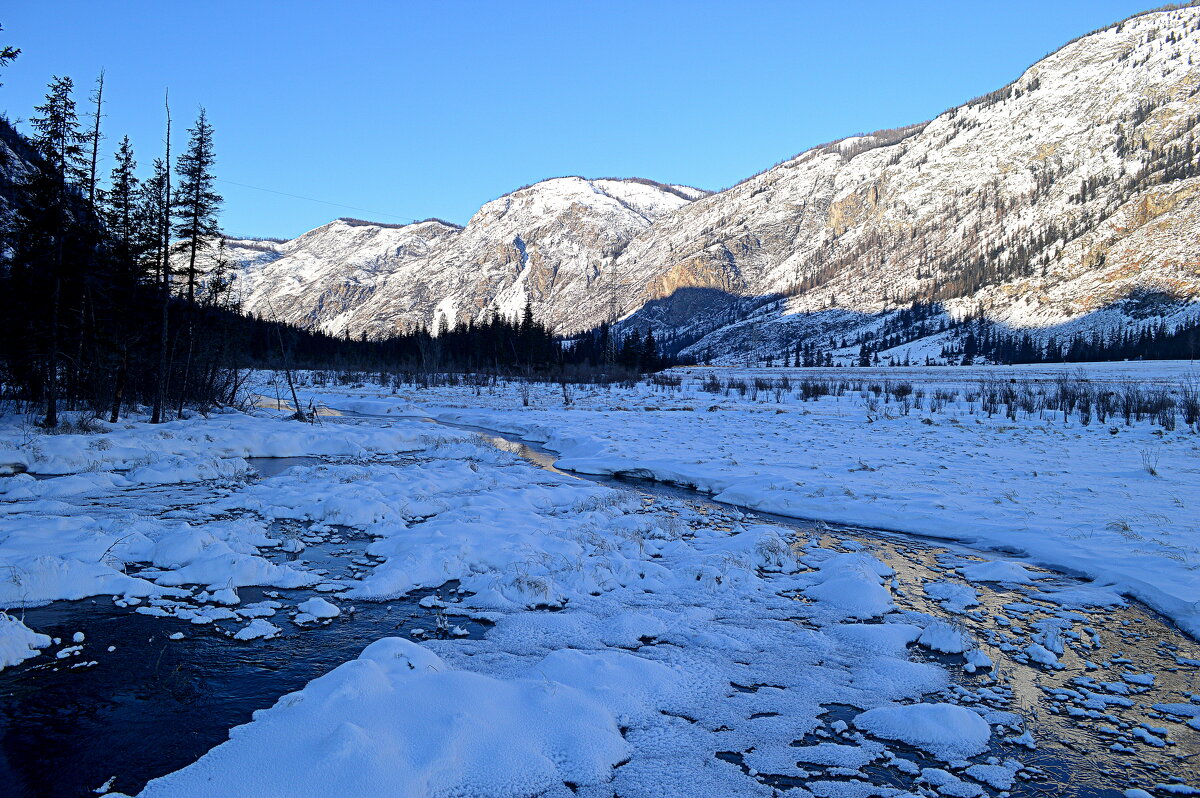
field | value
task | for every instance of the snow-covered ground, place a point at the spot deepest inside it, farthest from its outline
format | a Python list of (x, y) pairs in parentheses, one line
[(1072, 497), (638, 644)]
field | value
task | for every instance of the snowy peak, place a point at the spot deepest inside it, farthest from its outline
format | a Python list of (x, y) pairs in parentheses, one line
[(550, 198), (544, 243)]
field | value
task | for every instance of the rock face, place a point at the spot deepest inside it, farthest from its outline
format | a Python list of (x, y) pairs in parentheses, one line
[(1063, 200)]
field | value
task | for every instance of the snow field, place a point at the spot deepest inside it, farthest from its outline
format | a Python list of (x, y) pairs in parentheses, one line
[(1058, 494)]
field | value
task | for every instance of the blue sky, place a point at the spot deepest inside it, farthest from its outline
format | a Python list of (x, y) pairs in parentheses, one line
[(409, 110)]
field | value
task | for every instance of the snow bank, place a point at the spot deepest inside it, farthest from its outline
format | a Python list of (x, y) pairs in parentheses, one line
[(187, 450), (18, 642), (399, 721)]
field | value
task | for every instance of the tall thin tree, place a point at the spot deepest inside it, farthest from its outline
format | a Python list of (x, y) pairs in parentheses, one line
[(121, 201), (164, 238), (121, 220), (197, 203), (60, 143), (97, 99), (196, 220)]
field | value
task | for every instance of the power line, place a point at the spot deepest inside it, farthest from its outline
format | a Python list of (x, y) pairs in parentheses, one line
[(309, 199)]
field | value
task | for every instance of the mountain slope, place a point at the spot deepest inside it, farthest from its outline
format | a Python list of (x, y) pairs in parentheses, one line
[(1048, 200), (1065, 200)]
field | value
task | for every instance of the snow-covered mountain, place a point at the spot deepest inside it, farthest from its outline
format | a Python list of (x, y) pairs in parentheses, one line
[(549, 244), (1066, 199)]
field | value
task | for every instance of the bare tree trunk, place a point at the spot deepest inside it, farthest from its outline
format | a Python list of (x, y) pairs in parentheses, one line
[(287, 371), (187, 368), (96, 139), (160, 396), (119, 390), (191, 311), (51, 420)]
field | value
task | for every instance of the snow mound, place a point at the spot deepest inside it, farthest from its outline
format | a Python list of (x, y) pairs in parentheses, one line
[(945, 637), (399, 721), (17, 641), (315, 609), (999, 571), (258, 628), (947, 731), (850, 584)]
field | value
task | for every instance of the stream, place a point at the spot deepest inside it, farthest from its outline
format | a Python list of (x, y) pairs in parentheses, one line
[(137, 703)]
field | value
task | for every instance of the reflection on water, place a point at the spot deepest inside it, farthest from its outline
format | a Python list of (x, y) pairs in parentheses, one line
[(281, 404)]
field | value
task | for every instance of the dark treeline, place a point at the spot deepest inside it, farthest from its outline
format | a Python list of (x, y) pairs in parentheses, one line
[(501, 346), (1156, 341), (976, 339)]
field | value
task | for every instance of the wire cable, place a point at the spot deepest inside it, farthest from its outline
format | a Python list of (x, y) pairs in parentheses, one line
[(310, 199)]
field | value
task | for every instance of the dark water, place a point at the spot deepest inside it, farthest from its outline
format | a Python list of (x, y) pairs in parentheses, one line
[(154, 705), (272, 466)]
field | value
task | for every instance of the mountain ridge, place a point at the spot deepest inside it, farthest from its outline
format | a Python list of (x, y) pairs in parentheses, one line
[(1042, 202)]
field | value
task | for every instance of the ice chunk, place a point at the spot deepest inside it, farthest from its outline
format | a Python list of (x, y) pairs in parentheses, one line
[(947, 731)]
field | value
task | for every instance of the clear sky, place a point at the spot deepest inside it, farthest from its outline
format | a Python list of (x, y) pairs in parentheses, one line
[(406, 110)]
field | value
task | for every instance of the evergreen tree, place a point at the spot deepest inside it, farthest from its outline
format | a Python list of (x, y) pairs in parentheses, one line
[(58, 137), (8, 54), (631, 351), (650, 359), (152, 220), (195, 203), (195, 211), (121, 204), (46, 215)]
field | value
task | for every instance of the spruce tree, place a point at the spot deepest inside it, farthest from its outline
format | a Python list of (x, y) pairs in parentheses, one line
[(60, 144), (121, 214), (121, 202), (195, 202), (195, 212), (151, 220), (58, 137)]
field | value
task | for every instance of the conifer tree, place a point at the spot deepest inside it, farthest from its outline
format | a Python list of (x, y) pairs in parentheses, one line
[(121, 202), (195, 202), (8, 53), (59, 142), (151, 219), (649, 352), (58, 137), (196, 227)]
